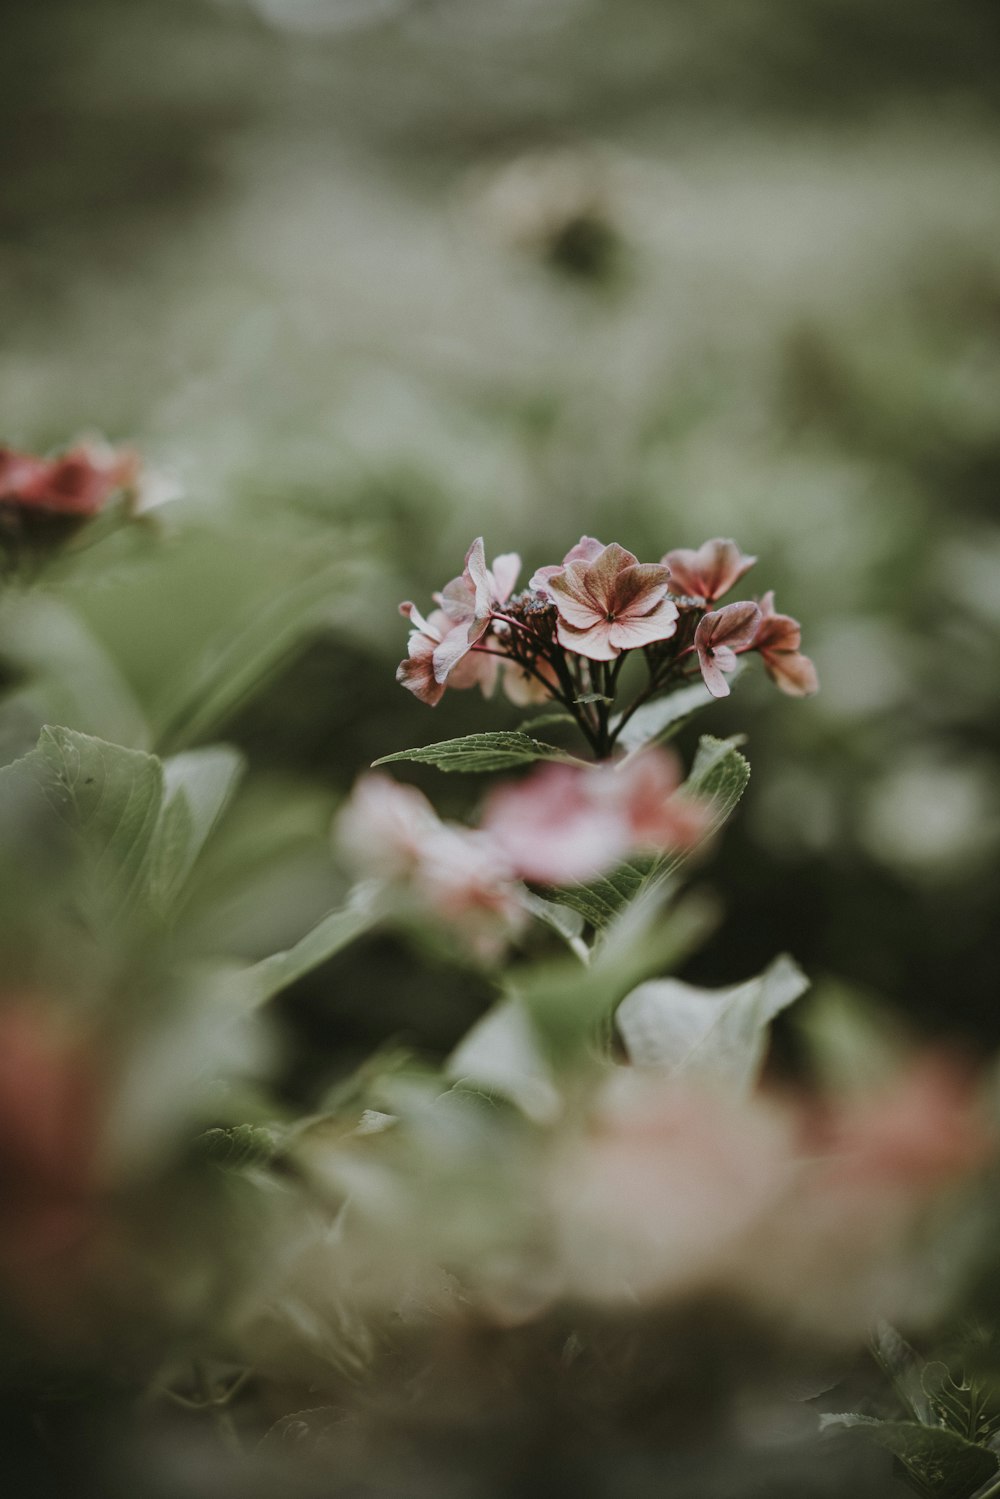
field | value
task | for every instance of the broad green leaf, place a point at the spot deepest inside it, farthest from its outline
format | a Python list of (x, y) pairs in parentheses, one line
[(198, 786), (660, 719), (501, 1054), (942, 1464), (481, 752), (720, 775), (240, 1145), (545, 720), (716, 1034), (570, 1006), (334, 932), (112, 799)]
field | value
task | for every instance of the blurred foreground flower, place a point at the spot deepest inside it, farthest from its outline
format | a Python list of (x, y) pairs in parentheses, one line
[(50, 497)]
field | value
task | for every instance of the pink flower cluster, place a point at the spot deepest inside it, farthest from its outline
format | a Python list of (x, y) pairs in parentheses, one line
[(560, 825), (566, 636)]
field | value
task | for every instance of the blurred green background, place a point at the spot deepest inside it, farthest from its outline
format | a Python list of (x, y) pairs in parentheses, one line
[(397, 272)]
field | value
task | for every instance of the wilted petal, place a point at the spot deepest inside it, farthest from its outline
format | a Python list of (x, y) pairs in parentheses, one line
[(709, 571), (776, 632), (792, 672)]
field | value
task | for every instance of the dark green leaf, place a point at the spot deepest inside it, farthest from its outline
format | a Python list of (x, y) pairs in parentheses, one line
[(942, 1464), (480, 753)]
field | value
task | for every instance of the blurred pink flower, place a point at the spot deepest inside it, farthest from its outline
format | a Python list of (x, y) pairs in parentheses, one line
[(77, 484), (458, 875), (384, 826), (921, 1131), (717, 639), (587, 549), (710, 571), (658, 1197), (562, 824), (778, 639), (49, 1137), (611, 603)]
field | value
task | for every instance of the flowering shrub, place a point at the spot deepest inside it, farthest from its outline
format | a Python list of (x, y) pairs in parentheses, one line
[(568, 635), (591, 1157)]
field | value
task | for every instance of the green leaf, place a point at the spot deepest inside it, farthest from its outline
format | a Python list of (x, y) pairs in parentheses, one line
[(942, 1464), (594, 697), (501, 1054), (719, 1034), (570, 1006), (334, 932), (562, 919), (112, 799), (198, 786), (545, 720), (720, 775), (663, 717), (481, 752)]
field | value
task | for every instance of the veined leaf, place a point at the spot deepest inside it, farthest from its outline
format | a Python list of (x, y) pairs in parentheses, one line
[(942, 1464), (112, 799), (719, 775), (481, 752)]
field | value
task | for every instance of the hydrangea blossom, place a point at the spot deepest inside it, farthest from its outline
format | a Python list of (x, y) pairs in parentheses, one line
[(567, 636)]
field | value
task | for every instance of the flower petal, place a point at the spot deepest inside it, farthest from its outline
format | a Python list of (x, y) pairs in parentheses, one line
[(594, 642), (642, 629)]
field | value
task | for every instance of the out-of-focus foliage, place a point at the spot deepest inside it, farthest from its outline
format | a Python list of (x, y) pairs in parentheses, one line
[(666, 270), (359, 280)]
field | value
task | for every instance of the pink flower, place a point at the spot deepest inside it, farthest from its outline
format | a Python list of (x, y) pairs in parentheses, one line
[(710, 571), (562, 824), (384, 827), (611, 604), (587, 549), (717, 639), (458, 875), (778, 639), (416, 673), (471, 601), (78, 484), (920, 1132)]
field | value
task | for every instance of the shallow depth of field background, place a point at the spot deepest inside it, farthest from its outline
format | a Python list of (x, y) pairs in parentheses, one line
[(411, 270)]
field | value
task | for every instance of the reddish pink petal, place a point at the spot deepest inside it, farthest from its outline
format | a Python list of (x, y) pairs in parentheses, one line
[(710, 571), (572, 597), (792, 672)]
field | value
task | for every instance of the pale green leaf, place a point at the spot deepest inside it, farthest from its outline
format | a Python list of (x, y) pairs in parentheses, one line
[(658, 720), (198, 786), (330, 936), (501, 1054)]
